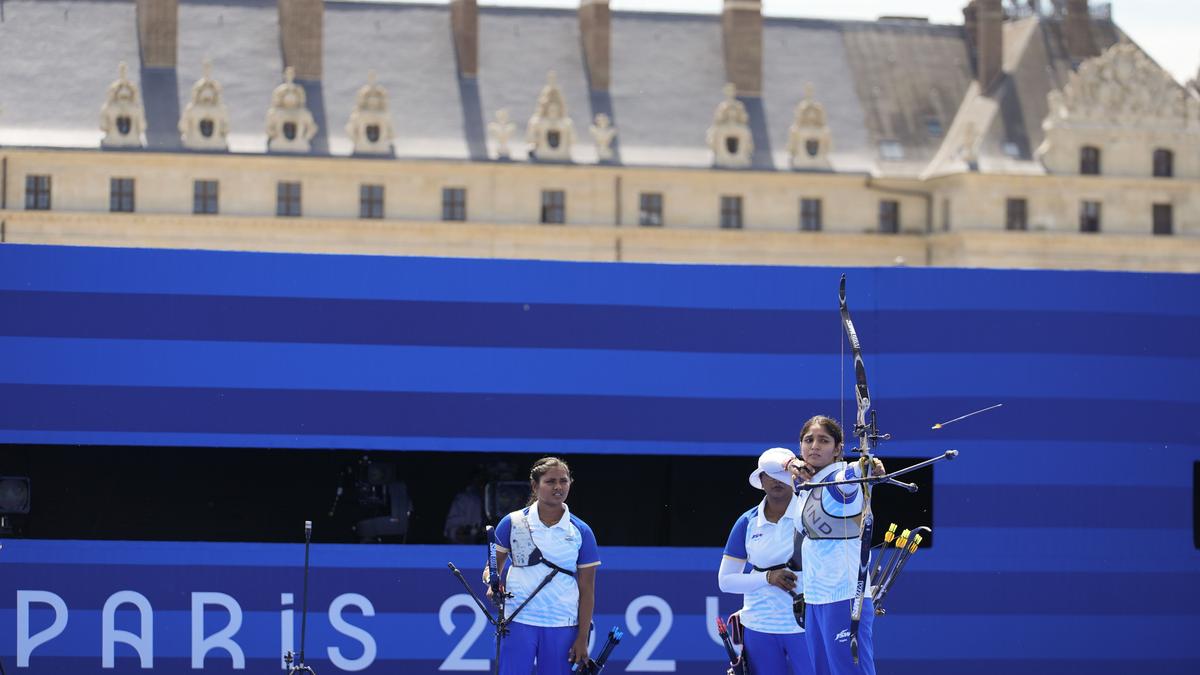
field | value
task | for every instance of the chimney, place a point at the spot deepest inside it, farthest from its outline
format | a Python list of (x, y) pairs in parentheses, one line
[(971, 25), (158, 30), (595, 27), (990, 45), (742, 28), (1078, 29), (464, 20), (300, 28)]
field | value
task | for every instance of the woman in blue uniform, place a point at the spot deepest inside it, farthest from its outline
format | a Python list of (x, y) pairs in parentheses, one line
[(546, 538), (831, 518), (766, 538)]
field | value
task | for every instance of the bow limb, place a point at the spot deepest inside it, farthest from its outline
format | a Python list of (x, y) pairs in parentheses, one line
[(867, 435)]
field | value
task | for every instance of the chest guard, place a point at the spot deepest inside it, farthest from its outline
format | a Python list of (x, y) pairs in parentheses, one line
[(819, 523), (524, 552), (521, 539)]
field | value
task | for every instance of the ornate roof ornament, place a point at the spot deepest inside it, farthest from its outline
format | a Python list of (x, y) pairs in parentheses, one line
[(550, 131), (502, 129), (729, 136), (1120, 102), (1122, 87), (809, 138), (290, 125), (370, 125), (121, 117), (603, 133), (204, 124)]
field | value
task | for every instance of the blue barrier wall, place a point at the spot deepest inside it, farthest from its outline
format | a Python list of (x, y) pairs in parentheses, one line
[(1065, 539)]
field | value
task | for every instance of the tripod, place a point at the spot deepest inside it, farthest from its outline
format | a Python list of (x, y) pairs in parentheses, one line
[(288, 658), (499, 598), (1, 663)]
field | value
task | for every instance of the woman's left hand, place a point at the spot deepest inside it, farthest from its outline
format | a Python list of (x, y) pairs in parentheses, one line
[(579, 650), (877, 467)]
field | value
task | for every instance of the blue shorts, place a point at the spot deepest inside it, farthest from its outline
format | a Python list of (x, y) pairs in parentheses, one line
[(549, 646), (777, 654), (828, 630)]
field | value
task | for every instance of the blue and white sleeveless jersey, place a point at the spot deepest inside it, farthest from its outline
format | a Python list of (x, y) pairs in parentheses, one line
[(762, 543), (831, 565), (570, 544)]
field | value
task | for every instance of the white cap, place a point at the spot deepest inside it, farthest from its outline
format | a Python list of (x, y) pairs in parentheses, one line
[(774, 463)]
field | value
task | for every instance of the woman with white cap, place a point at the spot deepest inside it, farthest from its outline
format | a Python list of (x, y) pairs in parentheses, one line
[(766, 537)]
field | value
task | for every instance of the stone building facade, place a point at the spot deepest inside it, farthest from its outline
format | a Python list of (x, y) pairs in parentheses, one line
[(1017, 139)]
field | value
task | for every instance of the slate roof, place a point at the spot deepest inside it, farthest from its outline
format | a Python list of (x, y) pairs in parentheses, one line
[(895, 80)]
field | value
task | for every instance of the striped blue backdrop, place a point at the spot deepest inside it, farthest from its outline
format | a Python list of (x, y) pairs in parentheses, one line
[(1065, 533)]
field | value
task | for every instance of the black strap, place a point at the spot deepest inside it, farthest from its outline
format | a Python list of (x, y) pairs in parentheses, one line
[(536, 557)]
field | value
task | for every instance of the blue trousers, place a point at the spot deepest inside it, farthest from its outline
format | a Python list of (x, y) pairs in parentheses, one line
[(828, 630), (549, 646), (777, 654)]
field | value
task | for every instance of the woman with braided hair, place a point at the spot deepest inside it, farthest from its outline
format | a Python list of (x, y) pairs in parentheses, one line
[(761, 563), (545, 538), (831, 517)]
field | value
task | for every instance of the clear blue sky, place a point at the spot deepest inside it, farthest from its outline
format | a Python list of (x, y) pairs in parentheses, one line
[(1166, 29)]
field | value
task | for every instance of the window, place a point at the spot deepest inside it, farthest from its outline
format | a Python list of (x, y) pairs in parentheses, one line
[(933, 126), (287, 199), (204, 196), (1016, 215), (1012, 149), (731, 212), (1164, 163), (554, 206), (810, 215), (1089, 161), (891, 150), (1089, 216), (650, 209), (37, 193), (120, 195), (370, 201), (454, 203), (889, 216), (1163, 218)]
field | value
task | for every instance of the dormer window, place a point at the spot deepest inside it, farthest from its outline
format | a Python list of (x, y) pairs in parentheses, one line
[(1089, 160), (370, 124), (290, 124), (934, 126), (121, 118), (809, 138), (205, 121), (1164, 163), (729, 136), (550, 131)]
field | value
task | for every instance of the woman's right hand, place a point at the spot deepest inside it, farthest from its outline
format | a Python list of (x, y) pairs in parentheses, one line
[(489, 591), (784, 579), (800, 471)]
